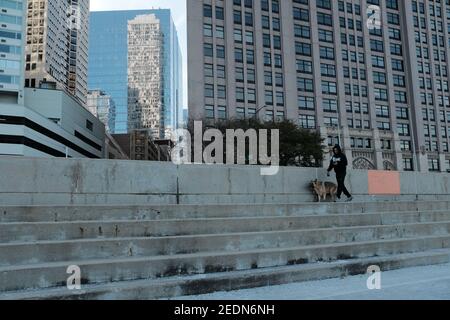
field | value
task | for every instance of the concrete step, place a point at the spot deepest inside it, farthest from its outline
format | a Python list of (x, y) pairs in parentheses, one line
[(54, 251), (227, 281), (72, 230), (163, 212), (53, 274)]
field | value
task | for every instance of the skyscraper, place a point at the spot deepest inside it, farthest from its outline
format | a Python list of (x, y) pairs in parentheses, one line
[(57, 45), (108, 62), (36, 122), (145, 75), (12, 34), (369, 74)]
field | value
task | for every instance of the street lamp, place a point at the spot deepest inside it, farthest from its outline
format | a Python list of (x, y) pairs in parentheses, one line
[(339, 123), (259, 110)]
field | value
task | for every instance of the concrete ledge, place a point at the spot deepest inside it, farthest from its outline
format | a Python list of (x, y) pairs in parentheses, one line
[(33, 181), (86, 176)]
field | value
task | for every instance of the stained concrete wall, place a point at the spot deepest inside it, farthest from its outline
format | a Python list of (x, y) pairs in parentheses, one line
[(33, 181)]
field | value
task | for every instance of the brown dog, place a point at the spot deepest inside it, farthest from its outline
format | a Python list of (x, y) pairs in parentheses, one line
[(322, 189)]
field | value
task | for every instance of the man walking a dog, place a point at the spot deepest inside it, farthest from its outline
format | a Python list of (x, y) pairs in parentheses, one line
[(339, 163)]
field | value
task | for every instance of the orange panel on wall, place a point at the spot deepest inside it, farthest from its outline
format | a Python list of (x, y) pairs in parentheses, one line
[(384, 183)]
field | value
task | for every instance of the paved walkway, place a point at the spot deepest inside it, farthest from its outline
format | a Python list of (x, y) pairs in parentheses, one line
[(421, 283)]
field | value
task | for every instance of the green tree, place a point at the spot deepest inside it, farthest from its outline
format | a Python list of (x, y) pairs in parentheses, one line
[(298, 147)]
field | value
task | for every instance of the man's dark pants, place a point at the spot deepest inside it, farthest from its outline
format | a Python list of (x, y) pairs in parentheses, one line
[(340, 176)]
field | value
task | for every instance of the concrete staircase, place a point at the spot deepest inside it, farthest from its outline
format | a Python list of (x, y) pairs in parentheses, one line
[(151, 252)]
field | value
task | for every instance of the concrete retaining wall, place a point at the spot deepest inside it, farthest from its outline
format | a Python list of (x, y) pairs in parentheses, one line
[(32, 181)]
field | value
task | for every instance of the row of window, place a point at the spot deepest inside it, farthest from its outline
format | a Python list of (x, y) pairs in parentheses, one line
[(430, 115), (9, 64), (9, 79), (6, 18), (239, 56), (12, 4)]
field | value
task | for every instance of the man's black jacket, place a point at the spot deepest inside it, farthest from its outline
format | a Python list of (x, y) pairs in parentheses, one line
[(339, 163)]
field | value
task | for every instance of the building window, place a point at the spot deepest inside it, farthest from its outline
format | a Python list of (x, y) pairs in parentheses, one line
[(209, 112), (408, 164), (89, 125), (328, 70), (208, 50), (327, 53), (304, 84), (385, 126), (433, 165), (269, 97), (402, 113), (219, 13), (302, 31), (251, 95), (209, 70), (207, 11), (221, 92), (405, 145), (269, 116), (302, 48), (280, 99), (240, 113), (240, 94), (221, 74), (307, 121), (209, 91), (331, 121), (221, 52), (207, 30), (382, 111), (306, 103), (329, 87), (304, 66), (301, 14), (222, 112), (238, 55), (330, 105)]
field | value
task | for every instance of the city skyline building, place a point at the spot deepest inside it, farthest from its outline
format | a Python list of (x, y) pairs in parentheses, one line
[(381, 90), (108, 62), (38, 122), (12, 48), (57, 46), (145, 75)]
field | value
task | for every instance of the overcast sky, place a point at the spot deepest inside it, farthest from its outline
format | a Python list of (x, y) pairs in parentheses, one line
[(178, 8)]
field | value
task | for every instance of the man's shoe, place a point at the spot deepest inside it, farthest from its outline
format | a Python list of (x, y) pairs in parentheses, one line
[(349, 199)]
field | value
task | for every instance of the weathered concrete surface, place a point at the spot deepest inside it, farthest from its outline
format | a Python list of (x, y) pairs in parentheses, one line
[(130, 243), (79, 213), (417, 283), (112, 269), (19, 253), (116, 229), (30, 181), (149, 230), (227, 281)]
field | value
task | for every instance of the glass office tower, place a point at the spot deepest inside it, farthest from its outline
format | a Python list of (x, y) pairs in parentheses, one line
[(108, 62), (12, 26)]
